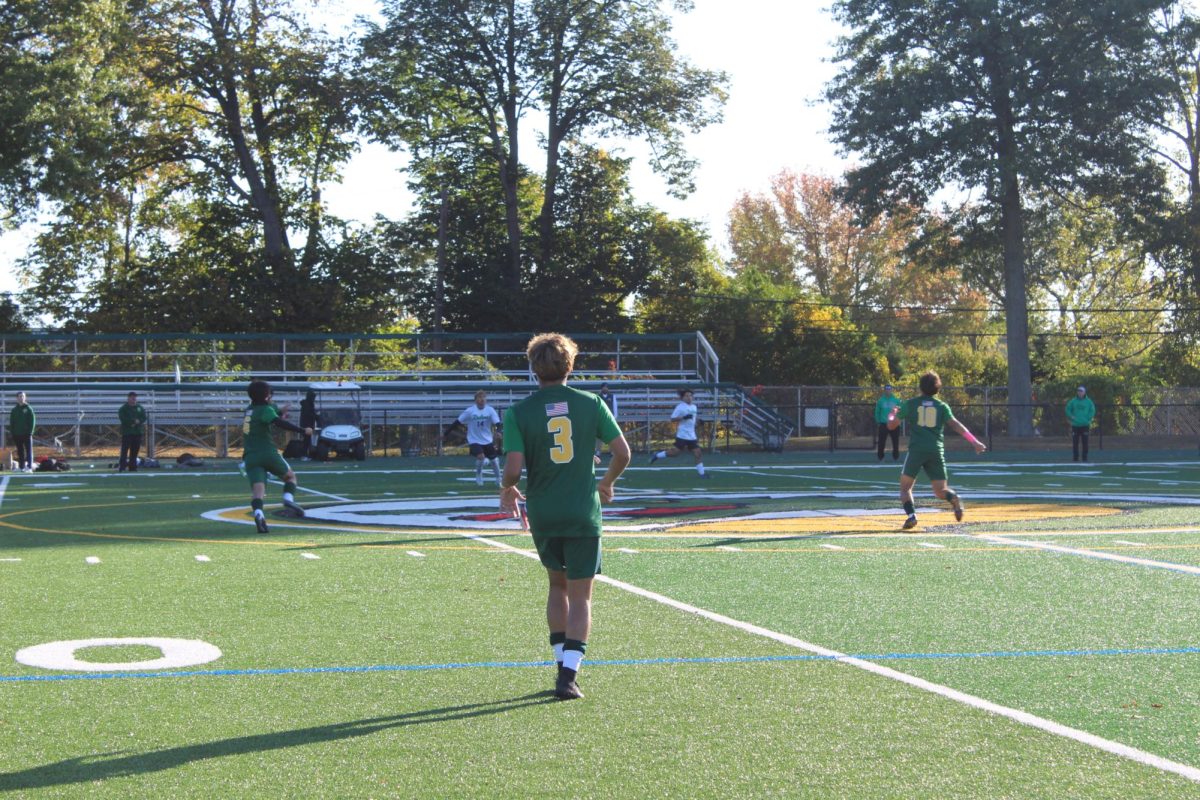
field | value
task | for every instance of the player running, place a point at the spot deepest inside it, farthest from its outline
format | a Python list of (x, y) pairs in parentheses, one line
[(551, 434), (686, 415), (260, 455), (480, 421), (927, 417)]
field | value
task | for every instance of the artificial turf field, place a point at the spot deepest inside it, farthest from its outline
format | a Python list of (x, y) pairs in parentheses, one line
[(769, 632)]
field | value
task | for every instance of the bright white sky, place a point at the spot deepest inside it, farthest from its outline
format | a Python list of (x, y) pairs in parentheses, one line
[(776, 53)]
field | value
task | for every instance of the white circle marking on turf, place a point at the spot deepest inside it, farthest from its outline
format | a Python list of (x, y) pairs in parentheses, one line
[(176, 653)]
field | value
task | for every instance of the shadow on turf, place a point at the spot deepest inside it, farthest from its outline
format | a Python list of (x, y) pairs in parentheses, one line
[(86, 769)]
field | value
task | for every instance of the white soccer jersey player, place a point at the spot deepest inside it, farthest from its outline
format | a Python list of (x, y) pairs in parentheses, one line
[(687, 427), (479, 422)]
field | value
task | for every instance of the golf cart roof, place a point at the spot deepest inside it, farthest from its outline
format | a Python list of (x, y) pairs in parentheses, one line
[(333, 386)]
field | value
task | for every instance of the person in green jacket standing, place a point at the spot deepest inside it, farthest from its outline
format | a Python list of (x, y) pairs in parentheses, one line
[(1080, 413), (133, 418), (21, 422), (883, 408)]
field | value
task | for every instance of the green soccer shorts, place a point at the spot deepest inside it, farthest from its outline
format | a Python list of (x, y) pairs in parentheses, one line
[(259, 464), (578, 556), (932, 461)]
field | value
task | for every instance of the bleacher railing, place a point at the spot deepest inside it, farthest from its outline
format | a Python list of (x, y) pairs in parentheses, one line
[(181, 357)]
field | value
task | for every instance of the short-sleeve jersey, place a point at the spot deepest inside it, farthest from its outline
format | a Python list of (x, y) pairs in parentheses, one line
[(479, 422), (687, 427), (926, 417), (256, 428), (556, 429)]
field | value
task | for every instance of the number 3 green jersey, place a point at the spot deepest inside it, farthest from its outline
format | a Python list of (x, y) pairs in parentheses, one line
[(557, 428), (926, 417)]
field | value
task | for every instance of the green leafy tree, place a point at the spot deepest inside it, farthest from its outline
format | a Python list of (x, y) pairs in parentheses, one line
[(482, 68), (1000, 96)]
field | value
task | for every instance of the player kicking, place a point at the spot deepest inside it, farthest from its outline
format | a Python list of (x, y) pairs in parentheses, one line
[(480, 420), (685, 415), (260, 455), (551, 434), (927, 417)]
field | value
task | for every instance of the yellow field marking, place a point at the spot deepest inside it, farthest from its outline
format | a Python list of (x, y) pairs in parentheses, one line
[(890, 521)]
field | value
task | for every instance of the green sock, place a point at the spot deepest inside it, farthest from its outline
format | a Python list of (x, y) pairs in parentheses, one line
[(256, 504), (289, 487), (909, 508)]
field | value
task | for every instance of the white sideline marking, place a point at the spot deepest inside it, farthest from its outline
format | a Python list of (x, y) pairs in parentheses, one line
[(314, 491), (832, 547), (1131, 544), (3, 488), (10, 559), (203, 558), (931, 544), (195, 496), (1103, 484), (729, 548), (92, 560), (313, 556), (1071, 551), (130, 497), (627, 550), (64, 497), (1054, 484), (415, 554), (1022, 717)]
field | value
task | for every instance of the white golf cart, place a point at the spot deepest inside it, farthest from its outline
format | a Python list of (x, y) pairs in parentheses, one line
[(339, 415)]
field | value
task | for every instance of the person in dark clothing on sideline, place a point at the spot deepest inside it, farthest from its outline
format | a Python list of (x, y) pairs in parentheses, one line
[(21, 422), (133, 419)]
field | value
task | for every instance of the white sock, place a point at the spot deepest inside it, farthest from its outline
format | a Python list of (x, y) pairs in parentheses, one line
[(287, 496), (258, 512), (558, 652), (661, 454), (572, 659), (700, 468)]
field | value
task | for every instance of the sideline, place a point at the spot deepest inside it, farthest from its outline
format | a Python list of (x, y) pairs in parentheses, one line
[(1022, 717), (1074, 551)]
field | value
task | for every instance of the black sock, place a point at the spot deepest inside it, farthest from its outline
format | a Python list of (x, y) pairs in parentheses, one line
[(909, 508)]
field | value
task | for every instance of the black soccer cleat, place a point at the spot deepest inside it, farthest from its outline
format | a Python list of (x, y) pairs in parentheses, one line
[(565, 687), (653, 458), (958, 507), (260, 522), (295, 507), (909, 523)]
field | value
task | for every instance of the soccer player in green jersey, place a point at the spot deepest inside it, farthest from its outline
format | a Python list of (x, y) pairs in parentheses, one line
[(927, 417), (260, 455), (551, 435)]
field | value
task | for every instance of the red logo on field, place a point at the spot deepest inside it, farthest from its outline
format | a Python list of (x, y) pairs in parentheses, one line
[(629, 513)]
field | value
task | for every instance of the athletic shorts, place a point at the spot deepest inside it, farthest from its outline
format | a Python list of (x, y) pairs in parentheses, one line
[(934, 464), (488, 450), (687, 444), (578, 556), (259, 464)]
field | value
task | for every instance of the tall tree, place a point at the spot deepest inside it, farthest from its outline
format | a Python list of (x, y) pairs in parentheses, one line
[(1000, 96), (588, 67)]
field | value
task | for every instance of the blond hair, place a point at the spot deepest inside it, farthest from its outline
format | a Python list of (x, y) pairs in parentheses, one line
[(551, 356)]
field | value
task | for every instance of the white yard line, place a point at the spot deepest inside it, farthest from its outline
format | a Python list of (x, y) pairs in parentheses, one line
[(1022, 717), (3, 488), (1073, 551)]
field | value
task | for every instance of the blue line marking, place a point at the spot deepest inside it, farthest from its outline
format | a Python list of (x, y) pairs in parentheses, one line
[(626, 662)]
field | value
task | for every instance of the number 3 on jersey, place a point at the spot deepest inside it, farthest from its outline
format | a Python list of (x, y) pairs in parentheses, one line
[(564, 449), (927, 416)]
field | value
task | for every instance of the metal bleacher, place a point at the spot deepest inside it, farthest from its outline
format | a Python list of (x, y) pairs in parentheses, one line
[(412, 385)]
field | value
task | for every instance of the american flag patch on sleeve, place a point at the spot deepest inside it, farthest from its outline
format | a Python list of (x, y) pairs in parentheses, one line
[(556, 409)]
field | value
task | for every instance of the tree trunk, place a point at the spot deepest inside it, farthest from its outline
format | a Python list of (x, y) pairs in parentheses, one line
[(1016, 314)]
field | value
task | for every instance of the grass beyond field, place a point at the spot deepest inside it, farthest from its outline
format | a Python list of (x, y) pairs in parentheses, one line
[(768, 632)]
